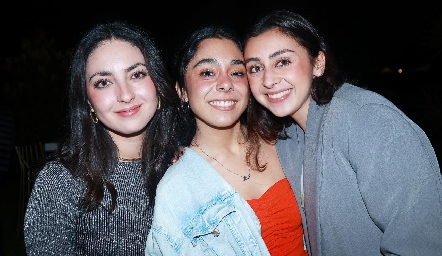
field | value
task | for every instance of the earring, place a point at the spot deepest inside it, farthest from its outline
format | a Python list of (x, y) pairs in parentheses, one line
[(93, 116), (159, 103), (185, 107)]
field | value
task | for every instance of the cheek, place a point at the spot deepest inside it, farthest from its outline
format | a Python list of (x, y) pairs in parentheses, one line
[(254, 85), (101, 102), (242, 85), (98, 98), (148, 91), (145, 90), (196, 89), (253, 80)]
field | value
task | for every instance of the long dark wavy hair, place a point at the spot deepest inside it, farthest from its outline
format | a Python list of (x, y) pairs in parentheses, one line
[(88, 150), (297, 27)]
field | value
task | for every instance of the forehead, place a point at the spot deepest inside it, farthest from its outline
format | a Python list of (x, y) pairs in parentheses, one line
[(114, 52), (269, 41), (114, 49), (217, 48)]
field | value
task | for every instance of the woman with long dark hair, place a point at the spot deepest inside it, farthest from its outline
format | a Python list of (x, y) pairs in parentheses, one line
[(96, 197)]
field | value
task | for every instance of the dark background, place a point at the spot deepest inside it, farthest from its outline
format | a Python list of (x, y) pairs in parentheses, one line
[(372, 41)]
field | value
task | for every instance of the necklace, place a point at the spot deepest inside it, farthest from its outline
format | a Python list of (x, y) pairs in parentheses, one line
[(244, 177), (129, 159)]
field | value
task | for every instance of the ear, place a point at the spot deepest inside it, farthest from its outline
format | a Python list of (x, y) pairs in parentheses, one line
[(319, 66), (181, 92)]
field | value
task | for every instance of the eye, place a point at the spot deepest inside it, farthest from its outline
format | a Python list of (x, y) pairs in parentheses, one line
[(102, 83), (206, 73), (139, 74), (238, 73), (283, 62), (255, 69)]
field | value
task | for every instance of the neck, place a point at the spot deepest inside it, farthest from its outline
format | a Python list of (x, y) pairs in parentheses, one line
[(220, 138), (129, 148)]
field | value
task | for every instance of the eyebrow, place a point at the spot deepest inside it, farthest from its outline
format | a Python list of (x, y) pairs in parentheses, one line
[(204, 61), (271, 56), (107, 73), (237, 62), (214, 61), (134, 66)]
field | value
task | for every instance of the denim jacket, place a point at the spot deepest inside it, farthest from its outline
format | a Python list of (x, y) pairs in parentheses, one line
[(197, 212)]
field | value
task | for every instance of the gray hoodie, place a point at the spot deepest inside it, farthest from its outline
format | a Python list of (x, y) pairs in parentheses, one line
[(370, 177)]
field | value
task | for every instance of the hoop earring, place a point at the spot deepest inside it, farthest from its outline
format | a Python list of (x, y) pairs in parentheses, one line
[(159, 103), (93, 116)]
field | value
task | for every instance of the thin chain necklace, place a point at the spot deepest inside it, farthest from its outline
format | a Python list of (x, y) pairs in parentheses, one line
[(244, 177), (129, 159)]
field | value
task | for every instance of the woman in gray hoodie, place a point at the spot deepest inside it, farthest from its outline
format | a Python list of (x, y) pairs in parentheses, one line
[(366, 175)]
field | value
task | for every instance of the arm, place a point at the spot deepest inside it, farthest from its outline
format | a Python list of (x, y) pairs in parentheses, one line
[(399, 179), (49, 225), (157, 243)]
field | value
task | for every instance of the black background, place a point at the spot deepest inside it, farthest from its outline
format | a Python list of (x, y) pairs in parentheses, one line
[(372, 41)]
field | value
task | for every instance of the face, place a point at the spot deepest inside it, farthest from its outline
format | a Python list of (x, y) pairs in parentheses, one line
[(280, 73), (119, 88), (216, 83)]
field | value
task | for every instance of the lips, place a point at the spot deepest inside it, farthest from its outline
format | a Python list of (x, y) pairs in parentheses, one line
[(279, 94), (129, 111)]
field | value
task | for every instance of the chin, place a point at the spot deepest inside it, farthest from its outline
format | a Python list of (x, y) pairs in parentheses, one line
[(281, 112)]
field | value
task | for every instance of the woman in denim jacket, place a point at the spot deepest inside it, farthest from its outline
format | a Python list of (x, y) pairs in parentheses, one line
[(227, 194)]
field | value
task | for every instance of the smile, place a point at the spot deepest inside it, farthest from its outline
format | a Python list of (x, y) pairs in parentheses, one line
[(129, 111), (279, 94), (222, 103)]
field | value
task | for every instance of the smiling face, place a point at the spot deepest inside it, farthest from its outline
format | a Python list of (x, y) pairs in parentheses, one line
[(280, 73), (120, 89), (216, 83)]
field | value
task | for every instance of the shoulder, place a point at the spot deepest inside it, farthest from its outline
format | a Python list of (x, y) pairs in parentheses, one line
[(353, 96), (54, 178), (352, 105), (190, 169), (54, 171), (370, 119), (366, 115), (191, 180)]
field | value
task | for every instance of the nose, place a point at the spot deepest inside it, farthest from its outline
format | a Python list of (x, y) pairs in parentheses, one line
[(269, 79), (224, 84), (126, 94)]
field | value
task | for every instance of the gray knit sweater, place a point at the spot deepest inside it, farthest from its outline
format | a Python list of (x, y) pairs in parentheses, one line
[(55, 225)]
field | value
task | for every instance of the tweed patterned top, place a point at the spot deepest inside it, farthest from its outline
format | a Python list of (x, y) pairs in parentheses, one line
[(55, 225)]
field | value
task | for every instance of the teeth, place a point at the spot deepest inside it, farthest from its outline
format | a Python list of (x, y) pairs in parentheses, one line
[(222, 103), (278, 95)]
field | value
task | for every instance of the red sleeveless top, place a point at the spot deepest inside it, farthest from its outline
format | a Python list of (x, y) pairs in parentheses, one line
[(281, 225)]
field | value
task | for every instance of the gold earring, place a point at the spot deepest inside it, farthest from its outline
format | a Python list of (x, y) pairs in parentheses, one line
[(159, 103), (93, 116)]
